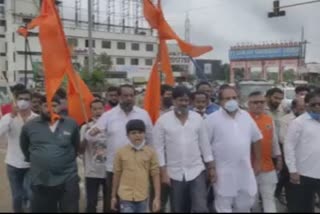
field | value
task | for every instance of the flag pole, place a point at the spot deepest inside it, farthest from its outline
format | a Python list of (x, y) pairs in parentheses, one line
[(159, 51)]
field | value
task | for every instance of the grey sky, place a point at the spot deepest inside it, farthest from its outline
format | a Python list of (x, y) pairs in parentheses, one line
[(222, 23)]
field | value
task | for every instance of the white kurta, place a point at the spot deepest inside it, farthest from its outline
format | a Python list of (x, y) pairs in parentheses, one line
[(231, 140)]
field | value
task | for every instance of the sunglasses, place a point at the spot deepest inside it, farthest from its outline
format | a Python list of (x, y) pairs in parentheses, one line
[(314, 105)]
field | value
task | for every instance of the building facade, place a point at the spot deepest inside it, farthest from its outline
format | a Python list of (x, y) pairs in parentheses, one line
[(131, 51)]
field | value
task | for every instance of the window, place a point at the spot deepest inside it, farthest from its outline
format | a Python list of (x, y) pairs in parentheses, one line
[(106, 44), (93, 43), (1, 1), (135, 46), (2, 23), (26, 20), (13, 36), (2, 36), (14, 57), (3, 54), (121, 45), (73, 42), (120, 61), (1, 9), (149, 47), (134, 61), (148, 62)]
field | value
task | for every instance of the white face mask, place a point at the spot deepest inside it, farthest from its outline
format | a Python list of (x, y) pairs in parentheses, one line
[(23, 104), (231, 106)]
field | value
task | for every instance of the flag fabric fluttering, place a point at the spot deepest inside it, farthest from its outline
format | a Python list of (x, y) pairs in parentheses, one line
[(153, 93), (155, 17), (57, 59)]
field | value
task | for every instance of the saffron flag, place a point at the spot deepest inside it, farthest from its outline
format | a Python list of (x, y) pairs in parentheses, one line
[(153, 93), (79, 104), (154, 16), (56, 56), (165, 63)]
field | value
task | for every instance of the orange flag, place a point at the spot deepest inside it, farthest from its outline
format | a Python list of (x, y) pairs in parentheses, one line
[(55, 53), (154, 16), (79, 104), (153, 94), (165, 63), (151, 13)]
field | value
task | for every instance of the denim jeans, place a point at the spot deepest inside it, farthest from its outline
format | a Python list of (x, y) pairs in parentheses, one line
[(20, 188), (133, 207)]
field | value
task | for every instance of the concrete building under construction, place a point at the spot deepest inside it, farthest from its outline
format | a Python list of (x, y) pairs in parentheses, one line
[(119, 29)]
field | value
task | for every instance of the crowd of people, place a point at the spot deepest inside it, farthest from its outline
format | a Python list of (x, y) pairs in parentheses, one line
[(205, 153)]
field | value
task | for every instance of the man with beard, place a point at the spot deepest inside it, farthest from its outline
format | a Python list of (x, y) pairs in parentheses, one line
[(166, 99), (182, 144), (51, 148), (112, 98), (113, 124)]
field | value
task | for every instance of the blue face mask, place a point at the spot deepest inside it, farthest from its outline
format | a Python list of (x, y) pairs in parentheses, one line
[(315, 116), (231, 106)]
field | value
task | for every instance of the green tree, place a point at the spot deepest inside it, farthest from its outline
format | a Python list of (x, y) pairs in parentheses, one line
[(96, 80), (288, 75)]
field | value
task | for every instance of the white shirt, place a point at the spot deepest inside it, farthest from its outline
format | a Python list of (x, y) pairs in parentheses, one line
[(231, 140), (284, 124), (11, 127), (302, 147), (53, 126), (95, 154), (180, 147), (114, 124)]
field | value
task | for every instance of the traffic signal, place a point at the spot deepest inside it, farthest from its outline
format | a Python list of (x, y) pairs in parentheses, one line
[(276, 10)]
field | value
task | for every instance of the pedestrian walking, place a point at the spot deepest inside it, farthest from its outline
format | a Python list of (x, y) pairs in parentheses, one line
[(17, 168), (134, 165), (51, 149), (182, 146), (113, 125), (233, 134)]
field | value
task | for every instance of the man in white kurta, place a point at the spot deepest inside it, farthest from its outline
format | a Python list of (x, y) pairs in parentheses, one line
[(232, 133)]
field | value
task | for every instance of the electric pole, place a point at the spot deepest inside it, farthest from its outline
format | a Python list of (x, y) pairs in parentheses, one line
[(90, 41)]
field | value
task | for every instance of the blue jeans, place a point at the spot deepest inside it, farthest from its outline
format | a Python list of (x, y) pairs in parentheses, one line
[(20, 188), (133, 207)]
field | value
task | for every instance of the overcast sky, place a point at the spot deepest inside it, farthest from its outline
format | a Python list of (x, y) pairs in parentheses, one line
[(222, 23)]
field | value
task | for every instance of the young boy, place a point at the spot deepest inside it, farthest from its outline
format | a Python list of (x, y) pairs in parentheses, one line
[(133, 166), (200, 102), (94, 160)]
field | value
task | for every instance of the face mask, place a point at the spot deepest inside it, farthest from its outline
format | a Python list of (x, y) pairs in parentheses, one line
[(23, 104), (315, 116), (167, 102), (138, 147), (182, 110), (231, 106)]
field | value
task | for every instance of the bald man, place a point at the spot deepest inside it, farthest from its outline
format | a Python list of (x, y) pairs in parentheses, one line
[(298, 107)]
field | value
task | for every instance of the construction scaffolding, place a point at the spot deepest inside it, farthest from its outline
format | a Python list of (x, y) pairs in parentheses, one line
[(118, 16)]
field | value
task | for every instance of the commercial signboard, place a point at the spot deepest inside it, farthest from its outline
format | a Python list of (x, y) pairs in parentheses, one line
[(265, 53)]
